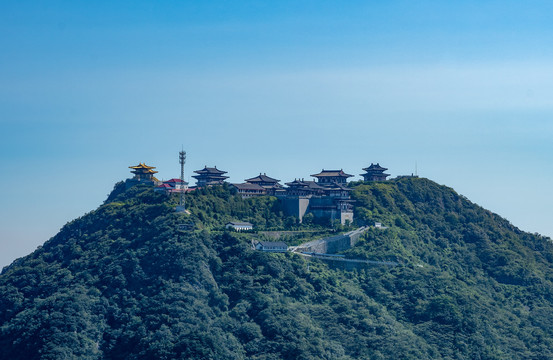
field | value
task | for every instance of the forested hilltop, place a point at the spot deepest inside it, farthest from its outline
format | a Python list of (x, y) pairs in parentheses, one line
[(127, 281)]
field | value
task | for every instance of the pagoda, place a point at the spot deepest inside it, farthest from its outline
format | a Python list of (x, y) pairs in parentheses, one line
[(375, 173), (330, 177), (144, 173), (209, 176)]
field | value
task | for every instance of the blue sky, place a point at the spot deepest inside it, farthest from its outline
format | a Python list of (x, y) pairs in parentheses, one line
[(462, 89)]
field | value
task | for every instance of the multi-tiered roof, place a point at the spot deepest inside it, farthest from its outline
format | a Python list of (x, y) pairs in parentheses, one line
[(329, 177), (143, 172), (259, 185), (375, 173), (270, 185), (210, 176), (263, 180)]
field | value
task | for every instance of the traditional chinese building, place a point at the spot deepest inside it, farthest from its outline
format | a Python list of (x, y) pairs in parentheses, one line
[(300, 187), (375, 173), (210, 176), (329, 177), (263, 180), (258, 186), (334, 209), (335, 204), (338, 191), (248, 190), (172, 186), (143, 172), (328, 198), (270, 185), (177, 184)]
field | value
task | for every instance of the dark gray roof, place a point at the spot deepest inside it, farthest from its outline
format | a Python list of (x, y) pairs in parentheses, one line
[(296, 183), (332, 173), (312, 185), (305, 183), (336, 186), (262, 178), (370, 173), (376, 167), (211, 171), (247, 186)]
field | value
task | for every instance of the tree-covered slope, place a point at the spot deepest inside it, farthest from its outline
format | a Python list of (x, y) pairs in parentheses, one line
[(472, 282), (123, 282)]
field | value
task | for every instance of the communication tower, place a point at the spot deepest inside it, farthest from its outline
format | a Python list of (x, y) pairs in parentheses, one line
[(182, 203), (182, 160)]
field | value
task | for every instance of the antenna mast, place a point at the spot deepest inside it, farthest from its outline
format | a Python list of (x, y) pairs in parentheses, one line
[(182, 160)]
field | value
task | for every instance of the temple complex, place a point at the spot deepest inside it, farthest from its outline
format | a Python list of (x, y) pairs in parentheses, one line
[(209, 176), (375, 173), (327, 198)]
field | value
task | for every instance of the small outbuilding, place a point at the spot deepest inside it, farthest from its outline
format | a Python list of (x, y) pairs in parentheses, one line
[(239, 226), (270, 246)]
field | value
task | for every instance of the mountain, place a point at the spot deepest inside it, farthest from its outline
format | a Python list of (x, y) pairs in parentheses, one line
[(129, 281)]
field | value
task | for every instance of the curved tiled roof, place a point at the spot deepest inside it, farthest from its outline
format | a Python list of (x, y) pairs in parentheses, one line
[(143, 168), (210, 170), (247, 186), (376, 167), (262, 178), (332, 173)]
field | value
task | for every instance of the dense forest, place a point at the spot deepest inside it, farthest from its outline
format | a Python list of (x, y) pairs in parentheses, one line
[(128, 281)]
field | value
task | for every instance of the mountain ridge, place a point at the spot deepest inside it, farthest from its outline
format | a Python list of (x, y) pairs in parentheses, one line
[(124, 282)]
